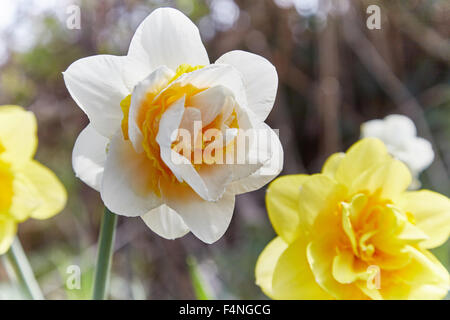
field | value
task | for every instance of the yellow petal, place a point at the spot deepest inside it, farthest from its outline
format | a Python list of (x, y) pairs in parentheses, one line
[(25, 198), (363, 155), (6, 186), (320, 255), (282, 205), (431, 212), (48, 194), (8, 229), (372, 293), (332, 164), (394, 232), (266, 263), (387, 180), (17, 135), (292, 277), (348, 228), (344, 268), (319, 197), (424, 278)]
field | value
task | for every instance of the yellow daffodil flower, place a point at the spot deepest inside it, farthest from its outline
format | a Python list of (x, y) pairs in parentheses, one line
[(27, 188), (136, 102), (354, 232)]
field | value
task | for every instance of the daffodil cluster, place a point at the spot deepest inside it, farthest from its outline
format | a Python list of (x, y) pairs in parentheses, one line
[(27, 188), (354, 232)]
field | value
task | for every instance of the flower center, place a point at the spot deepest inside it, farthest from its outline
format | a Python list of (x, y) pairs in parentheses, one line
[(6, 184), (363, 218), (148, 119)]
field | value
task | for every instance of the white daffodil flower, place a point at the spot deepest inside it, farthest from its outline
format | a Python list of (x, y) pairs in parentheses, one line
[(141, 108), (399, 134)]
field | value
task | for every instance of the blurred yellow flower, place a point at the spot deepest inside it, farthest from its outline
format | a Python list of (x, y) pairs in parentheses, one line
[(27, 188), (354, 232)]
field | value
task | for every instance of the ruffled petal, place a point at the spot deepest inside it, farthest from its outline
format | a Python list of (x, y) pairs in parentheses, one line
[(153, 84), (320, 255), (209, 182), (211, 102), (216, 75), (431, 212), (270, 169), (260, 80), (425, 278)]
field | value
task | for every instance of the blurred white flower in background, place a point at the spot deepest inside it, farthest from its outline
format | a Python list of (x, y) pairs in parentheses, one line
[(399, 134)]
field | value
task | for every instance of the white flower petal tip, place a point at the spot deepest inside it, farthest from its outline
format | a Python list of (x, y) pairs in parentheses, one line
[(97, 85), (260, 80), (89, 156), (207, 220), (165, 222), (167, 37), (166, 127), (399, 134)]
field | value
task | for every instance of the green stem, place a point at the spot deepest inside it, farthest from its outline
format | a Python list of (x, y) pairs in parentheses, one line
[(24, 274), (104, 255)]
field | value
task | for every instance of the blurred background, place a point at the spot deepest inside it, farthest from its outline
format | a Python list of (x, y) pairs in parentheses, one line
[(334, 74)]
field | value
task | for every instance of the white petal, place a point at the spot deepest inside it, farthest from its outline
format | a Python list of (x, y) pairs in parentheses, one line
[(373, 128), (190, 116), (207, 220), (399, 126), (168, 126), (124, 187), (260, 80), (167, 37), (154, 83), (135, 72), (216, 75), (247, 155), (211, 102), (165, 222), (268, 171), (89, 157), (209, 183), (96, 84), (420, 155)]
